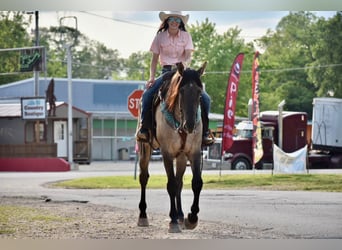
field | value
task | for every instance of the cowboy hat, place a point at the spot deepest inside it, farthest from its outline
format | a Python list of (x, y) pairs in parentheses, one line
[(165, 15)]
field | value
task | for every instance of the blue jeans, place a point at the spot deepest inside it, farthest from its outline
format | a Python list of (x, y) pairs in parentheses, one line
[(147, 99)]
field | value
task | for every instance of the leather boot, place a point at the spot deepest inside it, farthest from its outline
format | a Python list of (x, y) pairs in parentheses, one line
[(207, 137), (142, 133)]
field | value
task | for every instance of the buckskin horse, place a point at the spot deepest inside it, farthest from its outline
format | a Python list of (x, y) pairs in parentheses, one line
[(178, 134)]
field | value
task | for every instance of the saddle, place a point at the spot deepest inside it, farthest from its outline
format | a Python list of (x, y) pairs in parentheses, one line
[(157, 99)]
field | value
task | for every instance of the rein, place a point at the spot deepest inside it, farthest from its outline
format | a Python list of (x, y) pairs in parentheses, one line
[(170, 118)]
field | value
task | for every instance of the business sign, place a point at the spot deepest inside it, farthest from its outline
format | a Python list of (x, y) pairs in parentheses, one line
[(33, 108), (32, 59), (22, 60)]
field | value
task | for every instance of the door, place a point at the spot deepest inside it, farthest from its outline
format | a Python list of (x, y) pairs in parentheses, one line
[(60, 137)]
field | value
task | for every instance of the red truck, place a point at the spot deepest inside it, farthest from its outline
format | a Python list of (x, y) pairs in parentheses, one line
[(289, 131)]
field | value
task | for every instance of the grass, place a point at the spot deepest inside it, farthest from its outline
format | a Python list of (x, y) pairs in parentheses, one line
[(14, 217), (293, 182)]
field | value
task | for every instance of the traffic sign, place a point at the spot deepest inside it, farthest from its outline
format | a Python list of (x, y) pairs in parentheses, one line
[(133, 101)]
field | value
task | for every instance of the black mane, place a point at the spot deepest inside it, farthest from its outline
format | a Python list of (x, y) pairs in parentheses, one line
[(189, 75)]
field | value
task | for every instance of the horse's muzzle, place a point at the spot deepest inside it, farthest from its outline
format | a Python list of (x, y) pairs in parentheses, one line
[(189, 128)]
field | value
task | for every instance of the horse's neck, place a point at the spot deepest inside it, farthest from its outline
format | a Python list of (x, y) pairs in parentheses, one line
[(173, 118), (177, 112)]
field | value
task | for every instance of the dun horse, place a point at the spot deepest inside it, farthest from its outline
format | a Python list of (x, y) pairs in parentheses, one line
[(179, 137)]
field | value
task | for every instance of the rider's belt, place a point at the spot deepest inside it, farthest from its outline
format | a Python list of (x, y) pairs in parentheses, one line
[(167, 67)]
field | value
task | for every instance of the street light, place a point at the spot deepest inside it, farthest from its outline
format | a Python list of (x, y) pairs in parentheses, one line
[(65, 31)]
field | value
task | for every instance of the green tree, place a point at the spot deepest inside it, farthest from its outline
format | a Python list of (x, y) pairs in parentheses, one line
[(96, 61), (137, 66), (288, 51), (13, 26), (220, 51), (325, 72), (90, 58)]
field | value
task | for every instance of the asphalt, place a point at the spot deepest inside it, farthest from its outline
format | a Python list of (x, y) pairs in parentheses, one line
[(156, 167), (300, 214)]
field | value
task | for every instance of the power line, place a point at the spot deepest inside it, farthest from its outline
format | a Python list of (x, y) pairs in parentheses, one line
[(118, 20), (280, 70), (221, 72), (303, 68)]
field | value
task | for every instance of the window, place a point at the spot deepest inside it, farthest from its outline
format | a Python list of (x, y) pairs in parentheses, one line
[(35, 131)]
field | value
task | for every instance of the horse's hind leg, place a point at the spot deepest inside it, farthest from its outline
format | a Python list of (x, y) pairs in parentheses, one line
[(144, 158), (197, 183)]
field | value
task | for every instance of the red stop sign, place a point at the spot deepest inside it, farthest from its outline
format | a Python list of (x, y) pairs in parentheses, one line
[(133, 101)]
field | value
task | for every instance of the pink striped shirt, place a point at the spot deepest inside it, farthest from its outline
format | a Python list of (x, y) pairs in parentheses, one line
[(171, 50)]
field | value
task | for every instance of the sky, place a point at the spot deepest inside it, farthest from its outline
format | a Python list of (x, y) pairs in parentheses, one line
[(133, 31)]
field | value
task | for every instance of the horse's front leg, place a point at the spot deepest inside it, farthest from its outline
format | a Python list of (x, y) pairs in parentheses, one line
[(172, 191), (180, 170), (196, 184), (144, 158)]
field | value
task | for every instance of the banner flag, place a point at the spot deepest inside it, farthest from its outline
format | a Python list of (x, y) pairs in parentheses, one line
[(257, 137), (289, 162), (230, 102)]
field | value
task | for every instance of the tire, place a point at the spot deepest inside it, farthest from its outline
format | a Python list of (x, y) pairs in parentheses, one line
[(241, 164)]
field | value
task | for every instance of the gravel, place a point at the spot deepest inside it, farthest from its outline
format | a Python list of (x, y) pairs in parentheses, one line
[(49, 219)]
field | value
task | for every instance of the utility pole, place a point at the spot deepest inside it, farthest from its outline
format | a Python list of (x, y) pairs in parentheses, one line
[(70, 125), (68, 45), (36, 72)]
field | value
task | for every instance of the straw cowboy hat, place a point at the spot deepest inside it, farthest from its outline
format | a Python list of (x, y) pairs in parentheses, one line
[(165, 15)]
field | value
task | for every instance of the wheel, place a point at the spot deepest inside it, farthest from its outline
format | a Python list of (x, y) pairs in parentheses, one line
[(241, 164)]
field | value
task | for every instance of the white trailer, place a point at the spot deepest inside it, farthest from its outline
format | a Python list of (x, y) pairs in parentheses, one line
[(326, 133), (327, 124)]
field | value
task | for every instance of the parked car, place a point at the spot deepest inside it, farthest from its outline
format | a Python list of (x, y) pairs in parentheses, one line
[(156, 154)]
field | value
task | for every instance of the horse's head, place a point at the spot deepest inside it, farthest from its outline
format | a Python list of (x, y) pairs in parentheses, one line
[(186, 86)]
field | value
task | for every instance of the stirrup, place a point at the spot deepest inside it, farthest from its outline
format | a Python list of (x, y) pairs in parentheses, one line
[(142, 136), (208, 139)]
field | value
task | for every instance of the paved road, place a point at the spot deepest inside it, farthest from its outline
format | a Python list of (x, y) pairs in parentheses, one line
[(298, 214)]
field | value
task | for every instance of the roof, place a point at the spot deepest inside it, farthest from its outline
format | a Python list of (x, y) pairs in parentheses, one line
[(12, 110)]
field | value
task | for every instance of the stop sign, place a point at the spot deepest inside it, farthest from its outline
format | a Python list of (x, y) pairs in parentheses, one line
[(133, 101)]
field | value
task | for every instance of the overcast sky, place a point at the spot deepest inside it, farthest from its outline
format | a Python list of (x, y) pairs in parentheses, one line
[(133, 31)]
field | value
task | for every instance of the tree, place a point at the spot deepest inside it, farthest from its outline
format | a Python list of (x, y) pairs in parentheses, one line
[(90, 58), (288, 51), (137, 66), (96, 61), (219, 51), (325, 71), (13, 34)]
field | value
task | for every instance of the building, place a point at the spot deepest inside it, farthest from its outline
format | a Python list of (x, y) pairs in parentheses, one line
[(39, 144), (112, 127)]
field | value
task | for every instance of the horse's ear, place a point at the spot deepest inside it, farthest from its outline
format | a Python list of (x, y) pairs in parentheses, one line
[(180, 68), (202, 69)]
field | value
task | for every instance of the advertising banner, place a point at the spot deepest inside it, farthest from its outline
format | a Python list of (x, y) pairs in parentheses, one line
[(289, 162), (257, 137), (230, 102)]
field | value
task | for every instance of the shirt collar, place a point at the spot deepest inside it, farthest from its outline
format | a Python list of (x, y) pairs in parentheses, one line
[(177, 35)]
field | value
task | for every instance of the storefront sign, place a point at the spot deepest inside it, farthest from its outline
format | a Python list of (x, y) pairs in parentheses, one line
[(33, 108)]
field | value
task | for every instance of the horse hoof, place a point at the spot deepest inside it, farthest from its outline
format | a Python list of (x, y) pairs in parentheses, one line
[(181, 223), (189, 225), (143, 222), (174, 228)]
